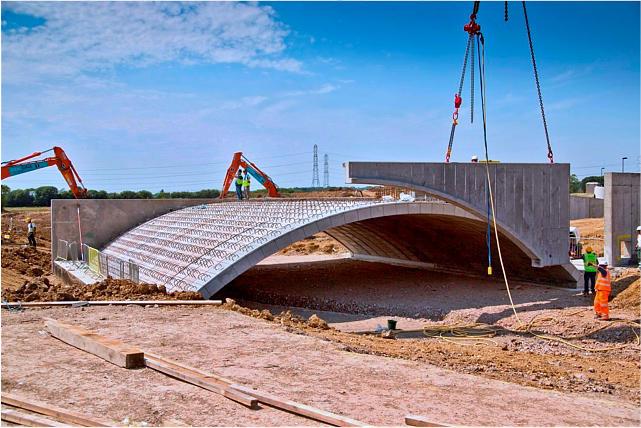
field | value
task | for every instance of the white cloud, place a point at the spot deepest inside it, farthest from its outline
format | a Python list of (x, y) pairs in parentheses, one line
[(324, 89), (78, 37)]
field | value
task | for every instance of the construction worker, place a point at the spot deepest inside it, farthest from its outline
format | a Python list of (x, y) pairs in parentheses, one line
[(246, 184), (239, 185), (590, 263), (31, 233), (603, 287)]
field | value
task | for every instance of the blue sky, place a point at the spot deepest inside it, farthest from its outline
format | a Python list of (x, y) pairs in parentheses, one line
[(158, 96)]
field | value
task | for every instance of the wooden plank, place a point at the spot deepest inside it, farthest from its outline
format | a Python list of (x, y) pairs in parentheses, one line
[(217, 378), (58, 413), (199, 378), (113, 351), (116, 303), (29, 420), (421, 421), (300, 409), (110, 350), (265, 398)]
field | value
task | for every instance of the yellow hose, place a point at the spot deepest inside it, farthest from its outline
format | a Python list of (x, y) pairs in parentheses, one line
[(479, 334)]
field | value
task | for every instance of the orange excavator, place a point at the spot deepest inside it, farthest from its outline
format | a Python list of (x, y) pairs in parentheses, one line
[(239, 161), (60, 159)]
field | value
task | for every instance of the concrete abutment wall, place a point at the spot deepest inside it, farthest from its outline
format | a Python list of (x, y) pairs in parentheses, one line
[(622, 215), (585, 207), (103, 220)]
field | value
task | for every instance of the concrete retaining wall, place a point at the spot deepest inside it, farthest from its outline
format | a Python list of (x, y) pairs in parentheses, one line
[(622, 215), (103, 220), (585, 207), (532, 200)]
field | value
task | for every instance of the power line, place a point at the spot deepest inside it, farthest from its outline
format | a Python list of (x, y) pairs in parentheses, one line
[(267, 167), (121, 183), (326, 172), (220, 162)]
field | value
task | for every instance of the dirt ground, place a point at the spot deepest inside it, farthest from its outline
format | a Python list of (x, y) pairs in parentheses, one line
[(320, 243), (41, 216), (592, 233), (358, 296), (280, 359), (366, 377), (21, 264), (27, 276)]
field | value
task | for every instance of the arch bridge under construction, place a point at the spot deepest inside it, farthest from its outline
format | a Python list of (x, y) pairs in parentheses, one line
[(187, 245)]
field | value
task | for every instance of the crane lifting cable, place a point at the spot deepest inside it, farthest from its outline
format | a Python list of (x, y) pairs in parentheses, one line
[(474, 30), (538, 84)]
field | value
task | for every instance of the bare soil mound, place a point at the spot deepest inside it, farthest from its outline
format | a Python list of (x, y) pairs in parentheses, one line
[(26, 260), (630, 297), (320, 243), (286, 318), (41, 289)]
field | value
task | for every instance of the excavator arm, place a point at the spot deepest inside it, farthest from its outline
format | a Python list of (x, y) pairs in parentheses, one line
[(60, 159), (239, 161)]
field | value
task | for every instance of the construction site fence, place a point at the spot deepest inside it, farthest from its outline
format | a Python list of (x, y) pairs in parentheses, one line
[(577, 245), (98, 262)]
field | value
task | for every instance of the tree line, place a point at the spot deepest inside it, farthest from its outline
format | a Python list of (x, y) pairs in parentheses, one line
[(578, 186), (42, 196)]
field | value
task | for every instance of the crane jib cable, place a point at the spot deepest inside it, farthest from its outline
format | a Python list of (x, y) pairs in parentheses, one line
[(474, 29), (538, 84)]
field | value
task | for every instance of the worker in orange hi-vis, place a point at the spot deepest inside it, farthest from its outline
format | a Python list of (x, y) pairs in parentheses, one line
[(603, 287)]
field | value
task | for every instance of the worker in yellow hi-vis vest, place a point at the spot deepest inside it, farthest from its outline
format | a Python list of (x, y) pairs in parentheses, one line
[(603, 288), (590, 263), (246, 184), (239, 185)]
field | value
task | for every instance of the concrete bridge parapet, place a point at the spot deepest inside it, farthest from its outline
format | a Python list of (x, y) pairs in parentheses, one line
[(531, 200)]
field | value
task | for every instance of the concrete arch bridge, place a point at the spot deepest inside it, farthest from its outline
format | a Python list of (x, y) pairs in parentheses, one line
[(204, 247)]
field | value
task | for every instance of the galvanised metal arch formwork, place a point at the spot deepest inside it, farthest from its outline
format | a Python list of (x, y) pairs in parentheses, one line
[(203, 248)]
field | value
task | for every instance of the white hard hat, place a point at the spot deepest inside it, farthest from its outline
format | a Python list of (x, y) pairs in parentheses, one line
[(475, 158), (638, 228)]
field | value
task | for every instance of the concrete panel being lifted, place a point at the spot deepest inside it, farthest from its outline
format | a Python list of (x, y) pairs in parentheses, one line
[(531, 200)]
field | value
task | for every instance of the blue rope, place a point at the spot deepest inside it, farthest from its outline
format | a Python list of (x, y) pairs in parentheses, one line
[(488, 234)]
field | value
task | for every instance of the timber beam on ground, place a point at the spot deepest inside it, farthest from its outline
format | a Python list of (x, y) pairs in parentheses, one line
[(199, 378), (421, 421), (59, 414), (111, 350), (11, 305), (127, 356), (28, 419)]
